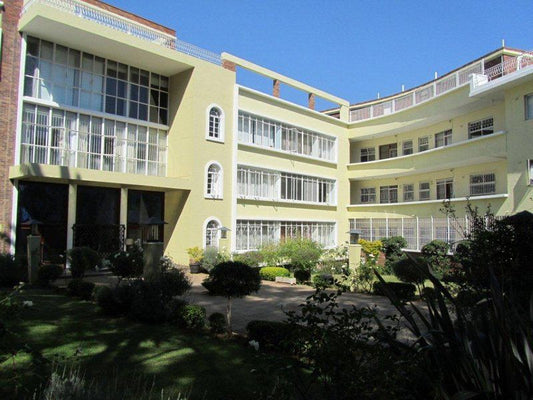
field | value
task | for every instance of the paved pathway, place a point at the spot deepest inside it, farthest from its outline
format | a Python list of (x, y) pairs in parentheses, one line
[(271, 300)]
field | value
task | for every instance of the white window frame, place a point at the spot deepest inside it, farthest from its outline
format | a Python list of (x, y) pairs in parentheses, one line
[(389, 190), (408, 192), (427, 192), (530, 172), (369, 154), (216, 234), (443, 138), (484, 127), (484, 183), (407, 147), (445, 182), (421, 145), (528, 105), (221, 123), (368, 195), (216, 191)]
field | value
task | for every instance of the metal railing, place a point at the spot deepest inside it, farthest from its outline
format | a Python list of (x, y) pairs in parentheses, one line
[(417, 231), (122, 24), (104, 239)]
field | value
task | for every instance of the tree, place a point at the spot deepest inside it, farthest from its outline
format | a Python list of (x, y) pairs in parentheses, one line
[(232, 279)]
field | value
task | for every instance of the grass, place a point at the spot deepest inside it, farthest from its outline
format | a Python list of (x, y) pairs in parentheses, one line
[(64, 329)]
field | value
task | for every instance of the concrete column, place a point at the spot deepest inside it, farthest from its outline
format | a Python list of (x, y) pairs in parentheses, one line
[(275, 88), (344, 114), (34, 257), (124, 210), (311, 101), (71, 217), (354, 256)]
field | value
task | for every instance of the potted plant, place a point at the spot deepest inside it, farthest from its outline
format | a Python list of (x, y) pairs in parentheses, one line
[(196, 254)]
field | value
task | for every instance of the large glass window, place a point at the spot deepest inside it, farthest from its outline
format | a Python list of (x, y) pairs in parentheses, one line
[(215, 127), (388, 194), (409, 192), (280, 136), (407, 147), (74, 78), (56, 137), (368, 195), (368, 154), (424, 192), (388, 151), (423, 143), (482, 184), (212, 230), (480, 128), (443, 138), (252, 234), (445, 188), (146, 214)]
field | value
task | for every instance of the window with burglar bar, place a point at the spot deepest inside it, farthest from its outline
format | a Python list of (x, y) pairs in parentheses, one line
[(480, 128), (482, 184)]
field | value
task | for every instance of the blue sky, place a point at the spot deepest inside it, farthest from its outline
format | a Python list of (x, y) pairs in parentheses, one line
[(353, 49)]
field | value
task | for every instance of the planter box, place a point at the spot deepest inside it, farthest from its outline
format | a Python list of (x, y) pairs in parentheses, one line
[(282, 279), (195, 268)]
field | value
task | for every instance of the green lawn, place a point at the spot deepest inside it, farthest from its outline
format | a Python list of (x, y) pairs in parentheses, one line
[(178, 361)]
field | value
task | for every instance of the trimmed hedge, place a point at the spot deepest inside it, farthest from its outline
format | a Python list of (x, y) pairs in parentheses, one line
[(274, 335), (270, 273), (192, 316), (404, 291), (217, 322), (323, 280)]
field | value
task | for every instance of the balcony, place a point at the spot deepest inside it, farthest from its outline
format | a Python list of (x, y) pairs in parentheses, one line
[(438, 87), (484, 149), (81, 25)]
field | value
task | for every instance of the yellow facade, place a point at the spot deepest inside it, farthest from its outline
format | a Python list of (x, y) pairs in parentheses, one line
[(324, 160)]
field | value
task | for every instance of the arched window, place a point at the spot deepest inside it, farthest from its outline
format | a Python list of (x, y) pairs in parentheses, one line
[(215, 124), (212, 229), (213, 181)]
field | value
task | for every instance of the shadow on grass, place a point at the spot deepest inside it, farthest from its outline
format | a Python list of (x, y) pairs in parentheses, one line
[(63, 329)]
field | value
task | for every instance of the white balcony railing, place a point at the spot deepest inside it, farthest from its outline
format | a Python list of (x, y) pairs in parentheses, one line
[(101, 16), (510, 66), (440, 86)]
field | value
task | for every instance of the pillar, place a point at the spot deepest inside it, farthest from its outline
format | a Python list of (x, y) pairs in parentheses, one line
[(124, 212), (34, 257), (275, 88), (354, 256), (152, 253), (311, 101), (71, 216)]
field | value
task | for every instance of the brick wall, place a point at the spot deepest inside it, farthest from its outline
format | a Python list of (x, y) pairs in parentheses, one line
[(9, 83)]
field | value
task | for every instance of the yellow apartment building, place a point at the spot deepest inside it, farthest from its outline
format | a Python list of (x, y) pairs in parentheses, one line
[(116, 130)]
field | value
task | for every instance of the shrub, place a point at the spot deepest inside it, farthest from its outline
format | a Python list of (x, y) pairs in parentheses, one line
[(322, 281), (106, 299), (217, 322), (392, 247), (210, 258), (371, 248), (147, 304), (301, 253), (174, 310), (166, 263), (406, 271), (192, 316), (273, 335), (195, 254), (403, 291), (49, 272), (173, 283), (81, 289), (270, 273), (302, 275), (334, 261), (251, 258), (11, 271), (82, 259), (232, 279), (435, 254), (127, 264)]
